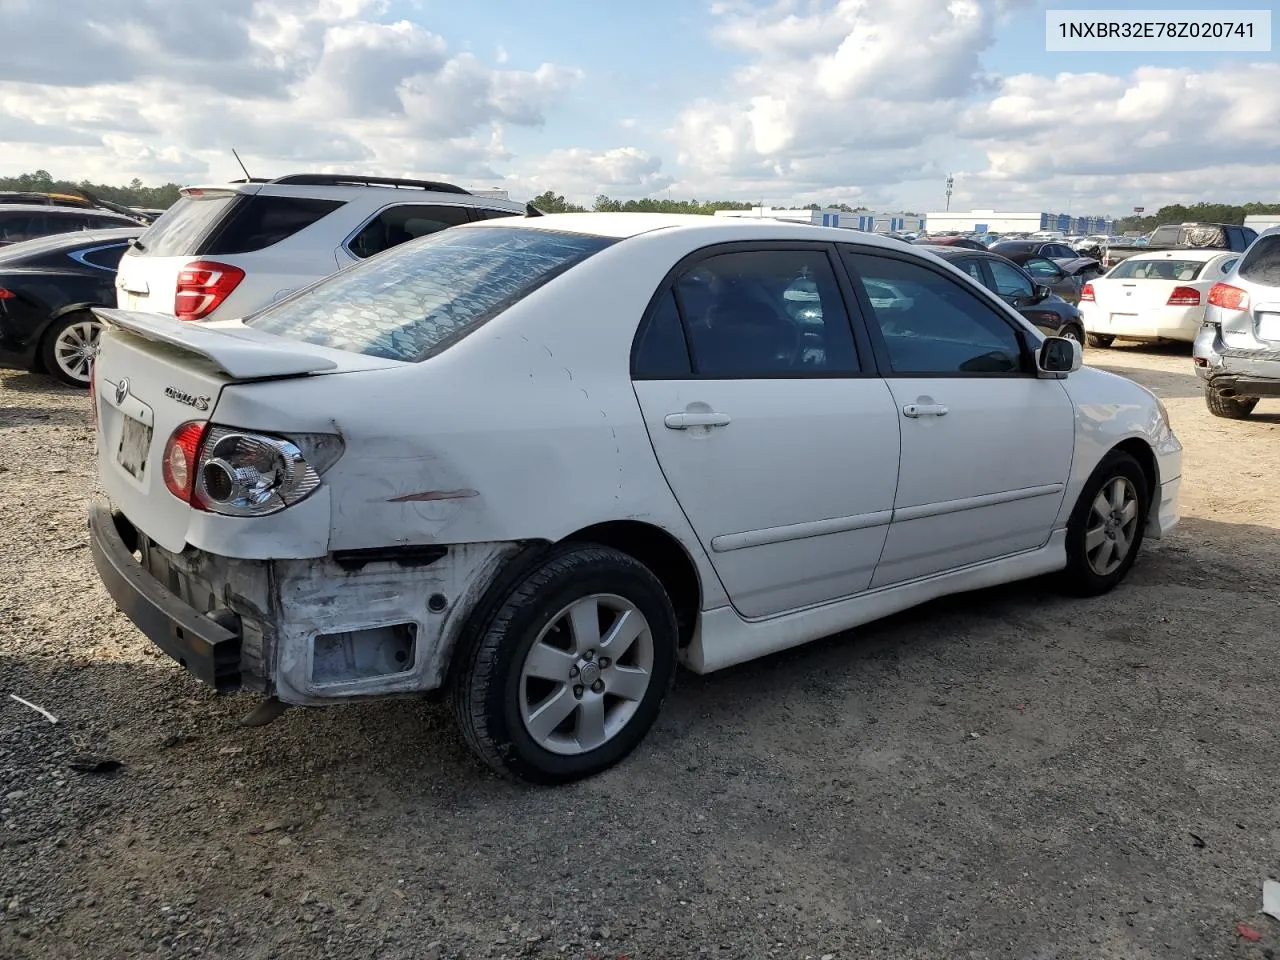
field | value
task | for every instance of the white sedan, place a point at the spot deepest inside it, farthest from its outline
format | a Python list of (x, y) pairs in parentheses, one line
[(536, 463), (1153, 296)]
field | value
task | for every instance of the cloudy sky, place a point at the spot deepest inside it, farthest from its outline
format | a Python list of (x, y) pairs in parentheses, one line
[(857, 101)]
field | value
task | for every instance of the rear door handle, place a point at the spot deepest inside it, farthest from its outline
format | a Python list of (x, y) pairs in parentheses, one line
[(916, 410), (683, 421)]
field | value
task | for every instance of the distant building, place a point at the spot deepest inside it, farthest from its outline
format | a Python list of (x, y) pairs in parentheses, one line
[(863, 220), (1262, 221), (989, 221)]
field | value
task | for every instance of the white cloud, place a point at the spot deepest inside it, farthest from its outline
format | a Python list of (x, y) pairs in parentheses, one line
[(621, 173), (288, 82)]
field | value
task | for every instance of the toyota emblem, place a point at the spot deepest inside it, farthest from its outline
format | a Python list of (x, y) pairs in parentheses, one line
[(122, 390)]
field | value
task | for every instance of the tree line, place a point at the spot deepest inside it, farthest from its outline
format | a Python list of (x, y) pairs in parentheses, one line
[(1203, 212), (135, 194), (552, 202)]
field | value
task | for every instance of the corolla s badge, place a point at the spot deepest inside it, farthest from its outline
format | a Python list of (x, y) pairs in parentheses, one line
[(122, 390), (200, 403)]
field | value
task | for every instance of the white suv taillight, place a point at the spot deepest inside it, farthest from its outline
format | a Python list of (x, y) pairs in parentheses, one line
[(243, 474), (203, 285)]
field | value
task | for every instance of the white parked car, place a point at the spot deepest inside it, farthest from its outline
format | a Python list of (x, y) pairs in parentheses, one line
[(227, 250), (1153, 296), (535, 462)]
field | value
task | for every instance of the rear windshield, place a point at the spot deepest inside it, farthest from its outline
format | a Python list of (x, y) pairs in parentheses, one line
[(416, 298), (178, 231), (1182, 270), (1262, 263)]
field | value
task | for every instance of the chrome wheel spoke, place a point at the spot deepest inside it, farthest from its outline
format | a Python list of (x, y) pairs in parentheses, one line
[(584, 624), (629, 683), (1129, 512), (1121, 546), (1101, 506), (548, 663), (629, 625), (590, 732), (1095, 538), (549, 714), (1115, 496)]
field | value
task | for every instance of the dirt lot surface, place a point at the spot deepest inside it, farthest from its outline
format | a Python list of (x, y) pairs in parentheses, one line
[(1008, 774)]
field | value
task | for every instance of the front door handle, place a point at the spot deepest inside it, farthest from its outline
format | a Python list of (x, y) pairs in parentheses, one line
[(683, 421), (916, 410)]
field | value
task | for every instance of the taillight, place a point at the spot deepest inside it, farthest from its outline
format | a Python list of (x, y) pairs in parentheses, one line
[(1184, 297), (181, 455), (202, 287), (7, 294), (243, 474), (1086, 293), (1229, 297)]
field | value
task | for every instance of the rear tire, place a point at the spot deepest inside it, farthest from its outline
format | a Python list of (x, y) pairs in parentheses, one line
[(1100, 340), (1106, 528), (1073, 331), (567, 709), (69, 346), (1231, 408)]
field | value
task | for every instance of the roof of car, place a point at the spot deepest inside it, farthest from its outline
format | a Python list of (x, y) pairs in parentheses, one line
[(336, 187), (32, 209), (949, 252), (622, 225)]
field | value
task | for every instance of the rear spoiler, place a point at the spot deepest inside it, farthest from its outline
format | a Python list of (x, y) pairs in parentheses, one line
[(242, 353)]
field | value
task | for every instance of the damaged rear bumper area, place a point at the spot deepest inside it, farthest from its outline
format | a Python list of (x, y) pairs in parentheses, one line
[(348, 625), (207, 646)]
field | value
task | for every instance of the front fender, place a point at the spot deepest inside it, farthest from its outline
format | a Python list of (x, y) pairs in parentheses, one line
[(1109, 410)]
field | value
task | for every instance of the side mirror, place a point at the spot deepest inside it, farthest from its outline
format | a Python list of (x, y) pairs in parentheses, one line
[(1042, 292), (1059, 356)]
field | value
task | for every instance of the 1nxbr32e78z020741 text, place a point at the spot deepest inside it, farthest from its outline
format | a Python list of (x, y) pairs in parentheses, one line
[(1082, 31)]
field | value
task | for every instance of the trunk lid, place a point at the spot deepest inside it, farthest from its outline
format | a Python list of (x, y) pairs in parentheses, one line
[(1132, 296), (155, 373)]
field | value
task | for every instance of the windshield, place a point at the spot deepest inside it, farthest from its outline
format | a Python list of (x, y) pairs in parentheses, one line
[(416, 298), (1133, 269), (179, 229)]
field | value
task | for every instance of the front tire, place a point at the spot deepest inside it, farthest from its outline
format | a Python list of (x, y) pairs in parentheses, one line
[(1073, 331), (1231, 408), (69, 347), (566, 673), (1106, 528), (1100, 340)]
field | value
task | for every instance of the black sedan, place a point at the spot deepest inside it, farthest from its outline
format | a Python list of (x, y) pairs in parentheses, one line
[(47, 288), (1035, 301)]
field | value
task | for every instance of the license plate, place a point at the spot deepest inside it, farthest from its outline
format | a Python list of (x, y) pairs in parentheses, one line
[(135, 442), (1269, 326)]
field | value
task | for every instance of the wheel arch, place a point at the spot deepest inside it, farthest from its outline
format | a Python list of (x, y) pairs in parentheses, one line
[(664, 555), (1141, 451)]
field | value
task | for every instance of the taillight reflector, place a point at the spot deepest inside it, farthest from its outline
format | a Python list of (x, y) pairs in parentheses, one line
[(202, 287), (7, 294), (1184, 297), (1229, 297), (1086, 293), (180, 457)]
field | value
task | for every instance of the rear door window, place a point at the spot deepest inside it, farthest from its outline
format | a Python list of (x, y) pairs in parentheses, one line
[(486, 213), (1262, 263), (416, 300), (258, 222), (179, 231), (397, 225)]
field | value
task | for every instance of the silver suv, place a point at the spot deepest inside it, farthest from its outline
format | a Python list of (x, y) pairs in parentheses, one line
[(228, 250), (1237, 351)]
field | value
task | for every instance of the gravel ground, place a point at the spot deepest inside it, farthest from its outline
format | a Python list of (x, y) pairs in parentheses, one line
[(1007, 774)]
